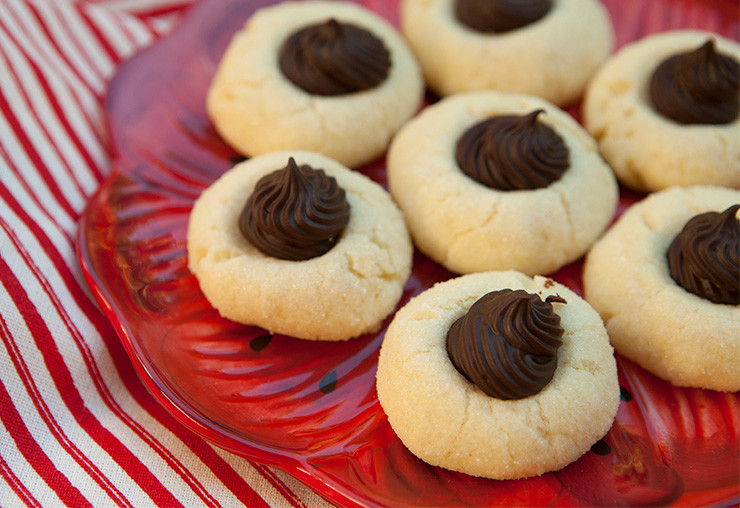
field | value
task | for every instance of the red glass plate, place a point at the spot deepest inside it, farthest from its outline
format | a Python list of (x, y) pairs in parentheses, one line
[(311, 408)]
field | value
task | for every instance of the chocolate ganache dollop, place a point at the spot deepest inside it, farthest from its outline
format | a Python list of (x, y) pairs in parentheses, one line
[(698, 87), (295, 213), (512, 152), (500, 15), (507, 344), (703, 257), (334, 58)]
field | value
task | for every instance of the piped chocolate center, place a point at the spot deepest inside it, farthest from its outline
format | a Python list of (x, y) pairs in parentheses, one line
[(703, 257), (334, 58), (500, 15), (295, 213), (698, 87), (513, 152), (507, 343)]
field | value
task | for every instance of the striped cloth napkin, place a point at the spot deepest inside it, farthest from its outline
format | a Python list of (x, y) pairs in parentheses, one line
[(77, 427)]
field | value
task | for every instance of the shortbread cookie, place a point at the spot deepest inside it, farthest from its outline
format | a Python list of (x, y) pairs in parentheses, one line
[(664, 110), (313, 268), (502, 214), (548, 48), (449, 421), (330, 77), (686, 332)]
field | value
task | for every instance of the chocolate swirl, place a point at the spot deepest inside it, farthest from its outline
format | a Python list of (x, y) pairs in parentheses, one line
[(500, 15), (507, 344), (334, 58), (295, 213), (513, 152), (698, 87), (703, 257)]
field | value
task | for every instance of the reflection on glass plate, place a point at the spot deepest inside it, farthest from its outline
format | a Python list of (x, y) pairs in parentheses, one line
[(311, 408)]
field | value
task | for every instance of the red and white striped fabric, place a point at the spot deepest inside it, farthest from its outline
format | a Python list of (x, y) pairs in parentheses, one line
[(77, 427)]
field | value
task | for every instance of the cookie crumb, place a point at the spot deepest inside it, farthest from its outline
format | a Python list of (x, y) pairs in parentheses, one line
[(554, 298)]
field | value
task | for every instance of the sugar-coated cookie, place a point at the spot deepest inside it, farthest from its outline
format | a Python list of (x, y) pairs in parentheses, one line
[(681, 322), (508, 141), (664, 110), (331, 77), (338, 290), (548, 48), (447, 420)]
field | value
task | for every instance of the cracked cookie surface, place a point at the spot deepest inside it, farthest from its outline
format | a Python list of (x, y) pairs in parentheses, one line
[(447, 421), (257, 109), (341, 294), (469, 227), (647, 150), (679, 336), (552, 57)]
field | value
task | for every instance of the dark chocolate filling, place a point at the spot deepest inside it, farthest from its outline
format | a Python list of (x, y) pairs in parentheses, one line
[(703, 257), (334, 58), (507, 343), (513, 152), (295, 213), (500, 15), (698, 87)]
